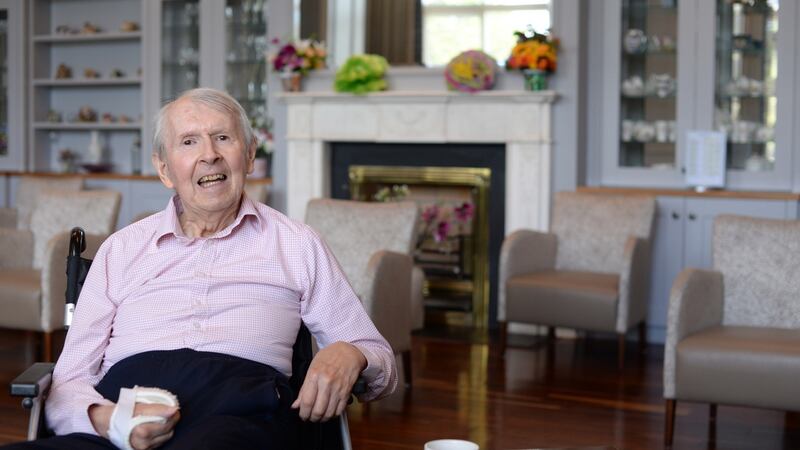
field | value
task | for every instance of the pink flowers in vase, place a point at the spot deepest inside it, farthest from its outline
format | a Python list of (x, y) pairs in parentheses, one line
[(442, 222), (301, 56)]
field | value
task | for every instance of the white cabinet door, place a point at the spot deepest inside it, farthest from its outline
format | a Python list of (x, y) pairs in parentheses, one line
[(667, 261)]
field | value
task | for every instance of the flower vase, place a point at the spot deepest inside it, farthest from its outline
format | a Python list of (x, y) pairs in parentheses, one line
[(535, 79), (291, 81)]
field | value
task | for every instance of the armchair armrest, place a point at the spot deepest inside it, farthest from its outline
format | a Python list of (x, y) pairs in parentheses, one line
[(524, 251), (388, 301), (33, 385), (695, 303), (8, 218), (634, 283), (17, 248)]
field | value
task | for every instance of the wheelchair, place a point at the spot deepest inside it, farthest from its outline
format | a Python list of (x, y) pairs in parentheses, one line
[(34, 383)]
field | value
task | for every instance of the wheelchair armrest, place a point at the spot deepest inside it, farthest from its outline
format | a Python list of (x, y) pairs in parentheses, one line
[(34, 381)]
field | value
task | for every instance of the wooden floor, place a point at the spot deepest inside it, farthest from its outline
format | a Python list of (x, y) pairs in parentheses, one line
[(465, 390)]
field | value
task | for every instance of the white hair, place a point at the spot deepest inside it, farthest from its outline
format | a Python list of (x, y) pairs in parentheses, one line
[(212, 98)]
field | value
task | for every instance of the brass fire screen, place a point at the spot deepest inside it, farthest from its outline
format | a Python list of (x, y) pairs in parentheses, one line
[(453, 234)]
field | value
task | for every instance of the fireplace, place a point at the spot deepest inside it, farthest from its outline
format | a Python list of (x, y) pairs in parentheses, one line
[(462, 267), (516, 122)]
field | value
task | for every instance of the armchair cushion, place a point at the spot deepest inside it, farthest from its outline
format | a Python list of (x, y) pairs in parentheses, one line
[(8, 218), (592, 230), (29, 189), (56, 212), (750, 366), (22, 292), (759, 264), (586, 300), (16, 248)]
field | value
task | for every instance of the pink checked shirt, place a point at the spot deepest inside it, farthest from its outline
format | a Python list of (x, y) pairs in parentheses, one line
[(241, 292)]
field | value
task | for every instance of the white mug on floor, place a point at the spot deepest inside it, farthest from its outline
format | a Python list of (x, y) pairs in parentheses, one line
[(450, 444)]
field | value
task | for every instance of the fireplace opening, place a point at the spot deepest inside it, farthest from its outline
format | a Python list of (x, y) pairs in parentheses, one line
[(460, 190)]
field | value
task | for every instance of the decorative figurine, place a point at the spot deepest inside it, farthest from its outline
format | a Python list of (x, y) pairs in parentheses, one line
[(53, 116), (65, 29), (63, 72), (108, 118), (66, 160), (125, 119), (87, 114), (129, 26), (116, 73), (89, 28), (90, 73)]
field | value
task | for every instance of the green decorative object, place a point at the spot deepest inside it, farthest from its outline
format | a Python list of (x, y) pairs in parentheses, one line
[(361, 74), (535, 80)]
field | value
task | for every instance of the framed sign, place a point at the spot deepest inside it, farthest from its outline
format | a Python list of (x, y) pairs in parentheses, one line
[(704, 163)]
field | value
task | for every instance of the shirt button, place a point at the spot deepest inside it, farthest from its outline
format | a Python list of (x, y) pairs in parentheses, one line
[(196, 325), (199, 274)]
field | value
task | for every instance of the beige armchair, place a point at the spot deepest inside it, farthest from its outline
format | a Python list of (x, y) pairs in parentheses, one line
[(28, 190), (33, 262), (373, 244), (733, 333), (591, 272)]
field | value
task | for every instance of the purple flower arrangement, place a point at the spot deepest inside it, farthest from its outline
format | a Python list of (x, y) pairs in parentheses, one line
[(301, 56)]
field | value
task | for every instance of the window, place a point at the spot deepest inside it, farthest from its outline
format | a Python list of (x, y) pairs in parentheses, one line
[(452, 26)]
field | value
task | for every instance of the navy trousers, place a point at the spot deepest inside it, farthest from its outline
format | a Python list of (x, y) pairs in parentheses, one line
[(226, 402)]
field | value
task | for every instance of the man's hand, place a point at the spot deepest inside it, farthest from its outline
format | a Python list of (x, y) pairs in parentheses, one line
[(330, 377), (146, 436)]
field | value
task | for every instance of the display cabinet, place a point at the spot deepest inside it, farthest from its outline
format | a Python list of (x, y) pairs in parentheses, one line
[(12, 79), (191, 51), (85, 88), (675, 66)]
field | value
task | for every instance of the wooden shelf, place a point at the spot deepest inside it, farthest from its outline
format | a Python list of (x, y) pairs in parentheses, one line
[(135, 126), (93, 82), (98, 37)]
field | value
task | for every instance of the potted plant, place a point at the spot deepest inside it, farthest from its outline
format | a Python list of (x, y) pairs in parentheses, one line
[(295, 59), (536, 55)]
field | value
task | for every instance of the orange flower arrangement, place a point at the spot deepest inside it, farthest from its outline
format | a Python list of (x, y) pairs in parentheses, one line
[(537, 51)]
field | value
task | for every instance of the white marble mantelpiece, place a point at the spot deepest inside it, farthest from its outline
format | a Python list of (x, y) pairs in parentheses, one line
[(520, 120)]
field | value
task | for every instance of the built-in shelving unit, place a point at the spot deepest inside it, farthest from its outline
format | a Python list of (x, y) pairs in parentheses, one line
[(103, 82)]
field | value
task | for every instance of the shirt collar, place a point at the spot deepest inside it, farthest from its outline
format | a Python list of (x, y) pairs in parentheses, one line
[(170, 226)]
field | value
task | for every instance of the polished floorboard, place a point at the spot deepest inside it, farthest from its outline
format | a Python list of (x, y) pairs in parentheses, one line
[(530, 398)]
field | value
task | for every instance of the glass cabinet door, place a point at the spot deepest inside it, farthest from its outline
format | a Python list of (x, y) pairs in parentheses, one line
[(746, 72), (246, 44), (648, 84), (180, 49)]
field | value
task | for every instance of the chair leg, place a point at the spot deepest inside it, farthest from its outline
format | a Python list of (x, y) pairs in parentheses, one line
[(47, 346), (642, 336), (503, 337), (669, 425), (621, 351), (712, 424), (407, 367)]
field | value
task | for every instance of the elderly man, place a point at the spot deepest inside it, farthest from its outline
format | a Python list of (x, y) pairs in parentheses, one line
[(204, 300)]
